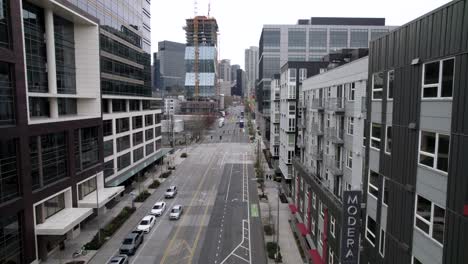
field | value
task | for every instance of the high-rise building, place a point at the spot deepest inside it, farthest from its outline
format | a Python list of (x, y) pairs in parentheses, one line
[(251, 68), (57, 60), (238, 89), (416, 184), (201, 57), (234, 69), (309, 40), (225, 70), (171, 67)]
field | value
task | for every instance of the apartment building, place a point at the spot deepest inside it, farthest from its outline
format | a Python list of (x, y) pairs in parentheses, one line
[(416, 184), (275, 120), (251, 69), (330, 159), (308, 40)]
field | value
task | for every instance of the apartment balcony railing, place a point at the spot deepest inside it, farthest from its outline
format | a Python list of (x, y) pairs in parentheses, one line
[(336, 105), (335, 135), (317, 129), (318, 104), (334, 164), (316, 153), (363, 104)]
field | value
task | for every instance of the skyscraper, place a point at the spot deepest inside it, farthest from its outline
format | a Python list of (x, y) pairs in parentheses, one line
[(234, 69), (251, 68), (201, 57), (225, 70), (171, 66)]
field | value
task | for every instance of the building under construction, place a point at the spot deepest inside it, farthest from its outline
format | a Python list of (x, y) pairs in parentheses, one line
[(201, 56)]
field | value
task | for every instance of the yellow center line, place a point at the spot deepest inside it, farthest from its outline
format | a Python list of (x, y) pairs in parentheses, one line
[(166, 252)]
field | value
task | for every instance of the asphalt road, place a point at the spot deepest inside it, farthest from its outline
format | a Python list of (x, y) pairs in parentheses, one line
[(221, 222)]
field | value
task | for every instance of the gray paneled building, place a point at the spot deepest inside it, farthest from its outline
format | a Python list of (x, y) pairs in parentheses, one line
[(171, 66), (416, 189)]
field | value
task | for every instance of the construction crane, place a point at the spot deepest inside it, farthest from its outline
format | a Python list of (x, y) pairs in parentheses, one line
[(197, 51)]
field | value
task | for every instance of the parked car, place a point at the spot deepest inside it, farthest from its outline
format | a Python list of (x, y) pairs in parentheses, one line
[(119, 259), (131, 243), (176, 212), (147, 223), (158, 208), (171, 192)]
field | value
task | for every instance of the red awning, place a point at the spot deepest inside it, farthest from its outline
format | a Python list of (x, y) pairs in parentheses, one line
[(293, 208), (465, 210), (302, 228), (314, 255)]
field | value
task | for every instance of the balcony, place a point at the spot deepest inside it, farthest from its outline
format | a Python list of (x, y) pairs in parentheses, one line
[(334, 135), (316, 153), (317, 129), (336, 104), (334, 164), (318, 104)]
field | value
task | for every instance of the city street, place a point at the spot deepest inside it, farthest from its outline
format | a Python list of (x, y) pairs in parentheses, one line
[(218, 195)]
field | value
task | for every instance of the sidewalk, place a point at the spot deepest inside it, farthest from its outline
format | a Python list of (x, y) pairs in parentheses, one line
[(269, 213), (89, 229)]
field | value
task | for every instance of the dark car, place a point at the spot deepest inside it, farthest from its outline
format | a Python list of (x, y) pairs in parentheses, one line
[(131, 243)]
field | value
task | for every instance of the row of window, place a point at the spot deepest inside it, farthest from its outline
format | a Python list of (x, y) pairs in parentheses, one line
[(437, 81), (7, 97), (5, 25), (124, 160), (123, 124)]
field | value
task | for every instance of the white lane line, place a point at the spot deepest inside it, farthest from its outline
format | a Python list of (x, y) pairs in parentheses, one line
[(241, 258), (248, 205), (229, 184)]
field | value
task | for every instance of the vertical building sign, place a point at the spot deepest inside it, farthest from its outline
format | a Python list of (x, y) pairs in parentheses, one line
[(351, 227)]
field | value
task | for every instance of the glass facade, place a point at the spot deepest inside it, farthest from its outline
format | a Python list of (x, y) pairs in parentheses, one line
[(359, 38), (123, 143), (108, 168), (138, 154), (296, 39), (123, 161), (86, 148), (48, 155), (149, 148), (318, 40), (375, 33), (65, 55), (271, 40), (4, 25), (137, 138), (7, 98), (87, 187), (9, 187), (67, 106), (36, 55), (271, 66), (108, 148), (39, 107), (338, 38), (10, 240)]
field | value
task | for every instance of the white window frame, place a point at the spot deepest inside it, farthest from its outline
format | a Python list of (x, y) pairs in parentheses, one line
[(388, 84), (369, 185), (314, 200), (331, 258), (322, 214), (413, 258), (386, 139), (369, 232), (313, 226), (439, 83), (349, 159), (374, 138), (382, 242), (383, 192), (376, 90), (431, 222), (352, 92), (433, 155), (350, 125), (332, 226)]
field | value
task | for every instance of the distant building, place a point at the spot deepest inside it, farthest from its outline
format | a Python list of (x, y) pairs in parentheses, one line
[(225, 70), (251, 69), (234, 69), (238, 89), (171, 106), (198, 107), (170, 67)]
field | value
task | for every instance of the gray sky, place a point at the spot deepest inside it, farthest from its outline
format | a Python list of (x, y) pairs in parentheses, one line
[(240, 21)]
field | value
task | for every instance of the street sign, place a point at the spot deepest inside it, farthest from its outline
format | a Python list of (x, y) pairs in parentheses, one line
[(351, 227)]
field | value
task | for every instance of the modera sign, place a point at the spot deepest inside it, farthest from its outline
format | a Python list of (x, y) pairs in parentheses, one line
[(351, 227)]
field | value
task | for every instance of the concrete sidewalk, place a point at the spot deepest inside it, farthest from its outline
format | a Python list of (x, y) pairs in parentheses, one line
[(89, 229)]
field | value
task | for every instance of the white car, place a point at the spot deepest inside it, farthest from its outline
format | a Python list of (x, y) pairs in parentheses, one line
[(176, 212), (147, 223), (158, 208), (171, 192)]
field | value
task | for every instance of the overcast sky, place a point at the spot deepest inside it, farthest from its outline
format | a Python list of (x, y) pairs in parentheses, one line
[(240, 21)]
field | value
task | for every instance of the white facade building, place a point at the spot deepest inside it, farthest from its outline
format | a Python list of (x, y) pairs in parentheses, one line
[(171, 106), (275, 121), (251, 69)]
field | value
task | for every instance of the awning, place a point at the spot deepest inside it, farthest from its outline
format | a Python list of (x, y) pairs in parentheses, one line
[(140, 166), (302, 228), (315, 256), (104, 196), (63, 221), (293, 208)]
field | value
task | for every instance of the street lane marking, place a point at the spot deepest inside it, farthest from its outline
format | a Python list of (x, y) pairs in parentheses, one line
[(229, 183)]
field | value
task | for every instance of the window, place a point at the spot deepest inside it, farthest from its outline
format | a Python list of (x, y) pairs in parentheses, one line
[(39, 107), (123, 143), (7, 97), (52, 206), (385, 192), (4, 24), (108, 148), (86, 188), (87, 148), (434, 150), (351, 91), (322, 211), (331, 259), (9, 180), (375, 135), (137, 138), (149, 148), (149, 134), (416, 261), (137, 122), (65, 56), (438, 79), (138, 154), (134, 105), (67, 106), (123, 161), (332, 225), (148, 120), (430, 219), (390, 81), (359, 38), (350, 122), (388, 139), (118, 105), (314, 200), (318, 40), (382, 243), (122, 125), (108, 168), (11, 237), (371, 228), (377, 85), (349, 160), (107, 127), (338, 39), (373, 186), (312, 226)]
